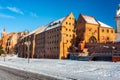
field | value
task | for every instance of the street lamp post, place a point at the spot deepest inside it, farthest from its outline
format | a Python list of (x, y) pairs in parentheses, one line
[(28, 47), (4, 54), (28, 50)]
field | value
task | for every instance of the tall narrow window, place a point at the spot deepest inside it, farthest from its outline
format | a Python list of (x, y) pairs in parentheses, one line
[(102, 30), (107, 31), (66, 22), (69, 23), (111, 31)]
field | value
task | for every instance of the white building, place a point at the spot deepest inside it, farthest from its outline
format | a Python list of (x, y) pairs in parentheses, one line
[(117, 18)]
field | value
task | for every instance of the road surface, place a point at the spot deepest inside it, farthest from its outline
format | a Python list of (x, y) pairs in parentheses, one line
[(14, 74)]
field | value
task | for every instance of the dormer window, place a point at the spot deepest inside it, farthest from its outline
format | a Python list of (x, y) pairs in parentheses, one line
[(59, 22)]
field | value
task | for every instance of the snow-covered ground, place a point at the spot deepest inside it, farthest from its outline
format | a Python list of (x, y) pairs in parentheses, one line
[(66, 69)]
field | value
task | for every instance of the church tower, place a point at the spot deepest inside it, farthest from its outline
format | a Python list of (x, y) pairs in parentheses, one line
[(117, 18), (3, 33)]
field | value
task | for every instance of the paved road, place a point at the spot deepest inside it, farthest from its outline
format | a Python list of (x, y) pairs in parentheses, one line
[(13, 74)]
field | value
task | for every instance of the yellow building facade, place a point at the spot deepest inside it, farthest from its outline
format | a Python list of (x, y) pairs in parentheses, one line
[(58, 38), (90, 30), (55, 40), (67, 34), (9, 40)]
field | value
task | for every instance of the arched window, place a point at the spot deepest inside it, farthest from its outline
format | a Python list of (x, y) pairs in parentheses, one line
[(92, 40)]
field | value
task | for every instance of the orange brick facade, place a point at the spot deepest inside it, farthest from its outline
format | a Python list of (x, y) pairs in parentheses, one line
[(89, 30), (9, 41), (60, 37), (56, 42)]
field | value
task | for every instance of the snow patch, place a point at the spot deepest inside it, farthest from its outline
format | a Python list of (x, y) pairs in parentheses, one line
[(67, 69), (104, 25)]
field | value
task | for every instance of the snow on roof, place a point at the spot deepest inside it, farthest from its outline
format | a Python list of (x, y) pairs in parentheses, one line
[(52, 25), (36, 31), (29, 34), (89, 19), (32, 32), (42, 29), (55, 24), (104, 25)]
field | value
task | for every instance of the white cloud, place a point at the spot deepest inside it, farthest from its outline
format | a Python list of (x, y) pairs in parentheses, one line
[(7, 16), (33, 14), (16, 10)]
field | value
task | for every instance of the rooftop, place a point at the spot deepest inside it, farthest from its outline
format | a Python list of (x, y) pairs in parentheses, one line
[(92, 20), (89, 19)]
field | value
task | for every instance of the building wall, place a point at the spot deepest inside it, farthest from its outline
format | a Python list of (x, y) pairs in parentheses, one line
[(9, 41), (56, 42), (86, 30), (48, 43), (80, 30), (40, 45), (106, 34), (52, 42), (91, 33), (67, 34)]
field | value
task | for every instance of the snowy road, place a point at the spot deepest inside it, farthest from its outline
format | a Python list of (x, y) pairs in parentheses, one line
[(65, 69), (13, 74)]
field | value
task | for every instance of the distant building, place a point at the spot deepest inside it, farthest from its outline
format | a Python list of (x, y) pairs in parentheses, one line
[(27, 42), (9, 40)]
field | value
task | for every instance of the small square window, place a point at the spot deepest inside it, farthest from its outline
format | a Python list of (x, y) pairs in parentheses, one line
[(69, 23), (66, 34), (66, 22)]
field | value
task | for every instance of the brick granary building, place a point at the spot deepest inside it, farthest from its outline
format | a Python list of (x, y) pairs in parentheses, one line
[(60, 37), (53, 40)]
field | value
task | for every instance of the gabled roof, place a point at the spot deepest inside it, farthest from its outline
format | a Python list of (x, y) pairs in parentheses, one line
[(89, 19), (35, 31), (104, 25), (41, 29), (54, 24), (92, 20)]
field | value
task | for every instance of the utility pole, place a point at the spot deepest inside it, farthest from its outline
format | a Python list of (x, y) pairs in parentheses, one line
[(28, 47)]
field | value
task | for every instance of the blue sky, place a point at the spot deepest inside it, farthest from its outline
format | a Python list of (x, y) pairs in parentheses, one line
[(20, 15)]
